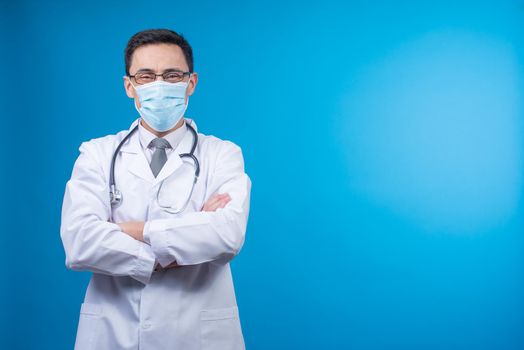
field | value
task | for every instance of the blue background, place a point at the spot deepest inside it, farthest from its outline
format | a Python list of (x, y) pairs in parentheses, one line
[(384, 141)]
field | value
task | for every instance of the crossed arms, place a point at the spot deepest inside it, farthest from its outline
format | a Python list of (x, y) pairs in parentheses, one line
[(135, 229), (93, 243)]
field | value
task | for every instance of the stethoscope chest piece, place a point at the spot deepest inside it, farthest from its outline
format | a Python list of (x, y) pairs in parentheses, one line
[(115, 196)]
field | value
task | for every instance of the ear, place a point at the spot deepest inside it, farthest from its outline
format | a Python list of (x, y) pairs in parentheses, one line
[(192, 84), (130, 90)]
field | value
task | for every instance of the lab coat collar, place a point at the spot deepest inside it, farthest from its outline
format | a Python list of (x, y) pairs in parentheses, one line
[(137, 162), (145, 136)]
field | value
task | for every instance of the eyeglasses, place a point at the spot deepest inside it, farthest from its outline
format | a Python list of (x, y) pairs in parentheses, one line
[(172, 76)]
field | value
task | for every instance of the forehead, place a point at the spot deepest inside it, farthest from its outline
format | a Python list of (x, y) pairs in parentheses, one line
[(158, 57)]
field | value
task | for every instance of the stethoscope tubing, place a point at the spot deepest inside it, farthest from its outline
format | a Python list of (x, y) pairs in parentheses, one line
[(116, 195)]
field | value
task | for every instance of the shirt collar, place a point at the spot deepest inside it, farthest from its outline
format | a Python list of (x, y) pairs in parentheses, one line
[(173, 137)]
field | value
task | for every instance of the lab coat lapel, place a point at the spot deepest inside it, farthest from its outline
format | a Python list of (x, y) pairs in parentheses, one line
[(134, 159), (174, 161)]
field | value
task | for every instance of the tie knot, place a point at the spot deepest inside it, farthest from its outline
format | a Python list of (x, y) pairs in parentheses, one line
[(160, 143)]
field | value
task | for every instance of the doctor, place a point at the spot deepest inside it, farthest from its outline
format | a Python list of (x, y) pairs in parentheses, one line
[(157, 242)]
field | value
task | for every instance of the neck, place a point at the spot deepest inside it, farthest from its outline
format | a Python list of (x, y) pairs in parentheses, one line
[(161, 133)]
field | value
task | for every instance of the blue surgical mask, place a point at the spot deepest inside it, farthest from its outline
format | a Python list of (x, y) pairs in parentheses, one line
[(162, 104)]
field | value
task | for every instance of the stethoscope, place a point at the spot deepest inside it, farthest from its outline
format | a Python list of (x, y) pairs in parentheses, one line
[(115, 194)]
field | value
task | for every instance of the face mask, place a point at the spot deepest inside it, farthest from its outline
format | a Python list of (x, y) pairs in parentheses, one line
[(162, 104)]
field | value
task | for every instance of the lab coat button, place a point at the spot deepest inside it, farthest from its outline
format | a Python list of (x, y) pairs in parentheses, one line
[(146, 325)]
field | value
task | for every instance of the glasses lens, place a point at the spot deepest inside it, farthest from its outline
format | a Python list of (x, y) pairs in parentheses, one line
[(173, 77), (144, 78)]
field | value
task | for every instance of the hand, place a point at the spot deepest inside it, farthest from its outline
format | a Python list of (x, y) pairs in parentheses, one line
[(170, 266), (216, 201), (133, 228), (173, 264)]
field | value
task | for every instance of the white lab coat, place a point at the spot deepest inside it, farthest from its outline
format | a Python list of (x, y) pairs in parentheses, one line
[(128, 305)]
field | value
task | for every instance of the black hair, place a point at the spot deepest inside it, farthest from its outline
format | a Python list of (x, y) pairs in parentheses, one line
[(157, 36)]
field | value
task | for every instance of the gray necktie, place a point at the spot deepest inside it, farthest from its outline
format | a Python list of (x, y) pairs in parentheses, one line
[(159, 157)]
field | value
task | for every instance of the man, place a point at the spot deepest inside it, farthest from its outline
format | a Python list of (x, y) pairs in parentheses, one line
[(158, 243)]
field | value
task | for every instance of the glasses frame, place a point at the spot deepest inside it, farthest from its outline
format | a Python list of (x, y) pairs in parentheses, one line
[(161, 75)]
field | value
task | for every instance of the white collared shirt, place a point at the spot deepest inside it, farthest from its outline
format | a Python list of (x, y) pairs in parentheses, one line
[(147, 136)]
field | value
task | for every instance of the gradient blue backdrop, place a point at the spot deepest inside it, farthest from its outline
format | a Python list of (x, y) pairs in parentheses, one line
[(384, 141)]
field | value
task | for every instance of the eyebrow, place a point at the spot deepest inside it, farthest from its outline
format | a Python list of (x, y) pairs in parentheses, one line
[(149, 70)]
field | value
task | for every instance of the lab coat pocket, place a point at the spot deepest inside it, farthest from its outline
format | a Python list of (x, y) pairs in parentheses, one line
[(220, 329), (88, 323)]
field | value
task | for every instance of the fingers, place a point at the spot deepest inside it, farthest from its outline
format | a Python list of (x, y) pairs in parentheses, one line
[(172, 265), (213, 200), (216, 201), (220, 203)]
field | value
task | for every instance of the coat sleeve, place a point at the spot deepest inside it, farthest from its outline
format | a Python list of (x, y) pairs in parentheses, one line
[(199, 237), (91, 241)]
